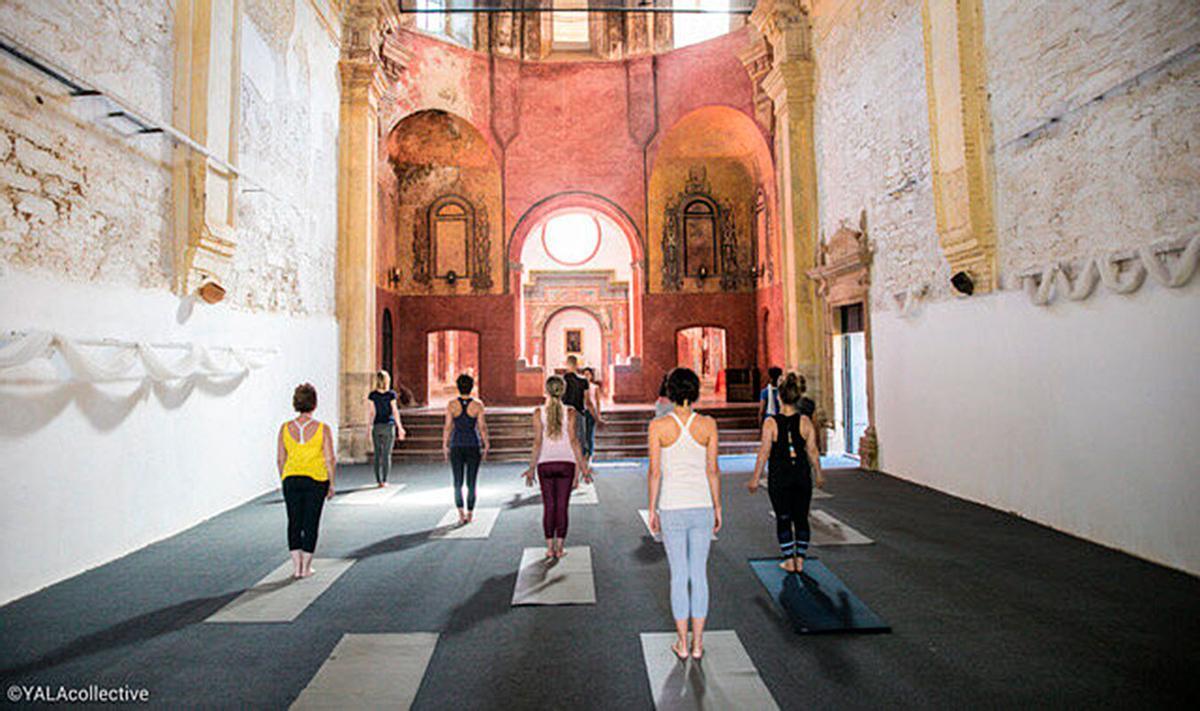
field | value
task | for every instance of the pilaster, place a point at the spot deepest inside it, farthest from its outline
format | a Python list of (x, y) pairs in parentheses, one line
[(961, 137)]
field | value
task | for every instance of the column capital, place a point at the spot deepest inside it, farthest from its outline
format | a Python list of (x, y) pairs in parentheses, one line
[(785, 24), (789, 83), (362, 81)]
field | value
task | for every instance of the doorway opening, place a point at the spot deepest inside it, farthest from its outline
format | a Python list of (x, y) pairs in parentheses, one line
[(702, 348), (451, 354), (388, 345), (849, 379)]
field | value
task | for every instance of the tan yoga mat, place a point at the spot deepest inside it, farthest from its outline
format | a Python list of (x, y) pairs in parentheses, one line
[(281, 598), (480, 527), (370, 671), (566, 581), (725, 678), (367, 495), (829, 531)]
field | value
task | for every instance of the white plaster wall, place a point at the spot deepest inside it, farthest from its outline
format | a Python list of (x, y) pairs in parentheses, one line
[(87, 247), (556, 355), (94, 472), (1080, 416)]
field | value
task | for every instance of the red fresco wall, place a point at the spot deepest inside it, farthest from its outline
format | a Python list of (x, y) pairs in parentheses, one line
[(557, 127)]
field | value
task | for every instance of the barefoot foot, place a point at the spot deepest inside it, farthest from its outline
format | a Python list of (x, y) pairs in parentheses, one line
[(680, 649)]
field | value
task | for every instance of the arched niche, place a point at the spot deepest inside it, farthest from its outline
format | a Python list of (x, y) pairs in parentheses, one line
[(716, 161), (440, 208)]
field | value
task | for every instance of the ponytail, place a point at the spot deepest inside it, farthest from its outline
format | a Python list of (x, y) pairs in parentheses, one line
[(555, 387), (792, 389)]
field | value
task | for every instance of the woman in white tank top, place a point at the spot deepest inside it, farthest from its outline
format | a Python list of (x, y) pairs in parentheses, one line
[(558, 461), (685, 503)]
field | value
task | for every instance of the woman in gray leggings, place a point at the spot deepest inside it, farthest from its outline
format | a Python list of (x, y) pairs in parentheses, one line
[(386, 425)]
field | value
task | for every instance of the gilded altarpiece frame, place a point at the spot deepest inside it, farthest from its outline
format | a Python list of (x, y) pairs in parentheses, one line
[(682, 208)]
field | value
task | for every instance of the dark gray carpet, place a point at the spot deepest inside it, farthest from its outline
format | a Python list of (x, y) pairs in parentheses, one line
[(986, 609)]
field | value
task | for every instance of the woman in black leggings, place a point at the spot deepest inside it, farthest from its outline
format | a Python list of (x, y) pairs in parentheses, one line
[(465, 444), (789, 442)]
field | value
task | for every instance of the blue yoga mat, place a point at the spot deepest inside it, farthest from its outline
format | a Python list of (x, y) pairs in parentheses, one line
[(816, 600)]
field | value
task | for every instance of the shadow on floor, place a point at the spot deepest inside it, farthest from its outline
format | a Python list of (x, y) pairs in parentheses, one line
[(135, 630), (401, 542), (493, 598)]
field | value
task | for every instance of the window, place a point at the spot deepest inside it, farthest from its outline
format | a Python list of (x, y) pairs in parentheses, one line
[(693, 27), (570, 29), (457, 27), (450, 226), (699, 238), (571, 239)]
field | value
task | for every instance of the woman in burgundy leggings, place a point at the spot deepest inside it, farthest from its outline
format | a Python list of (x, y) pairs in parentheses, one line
[(558, 462)]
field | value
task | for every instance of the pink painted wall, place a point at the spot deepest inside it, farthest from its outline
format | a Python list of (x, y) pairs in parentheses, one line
[(556, 127)]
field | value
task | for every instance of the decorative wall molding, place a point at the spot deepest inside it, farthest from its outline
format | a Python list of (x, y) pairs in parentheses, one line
[(1120, 272), (118, 358)]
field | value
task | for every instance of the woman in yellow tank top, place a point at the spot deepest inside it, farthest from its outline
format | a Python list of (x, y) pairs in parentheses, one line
[(307, 464)]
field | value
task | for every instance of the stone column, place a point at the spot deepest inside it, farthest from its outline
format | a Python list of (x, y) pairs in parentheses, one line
[(790, 86), (362, 83)]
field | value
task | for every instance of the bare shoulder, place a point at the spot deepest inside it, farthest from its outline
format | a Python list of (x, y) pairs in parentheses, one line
[(707, 426), (476, 406), (450, 407)]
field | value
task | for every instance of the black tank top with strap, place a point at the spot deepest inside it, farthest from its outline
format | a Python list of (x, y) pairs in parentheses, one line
[(464, 434), (788, 460)]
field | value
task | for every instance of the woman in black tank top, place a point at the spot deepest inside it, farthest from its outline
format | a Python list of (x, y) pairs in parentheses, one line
[(789, 444), (465, 443)]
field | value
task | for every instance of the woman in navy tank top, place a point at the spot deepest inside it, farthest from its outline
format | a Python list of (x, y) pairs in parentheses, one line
[(465, 444)]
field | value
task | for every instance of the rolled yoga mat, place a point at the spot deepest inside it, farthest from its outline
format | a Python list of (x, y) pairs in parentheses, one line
[(816, 600)]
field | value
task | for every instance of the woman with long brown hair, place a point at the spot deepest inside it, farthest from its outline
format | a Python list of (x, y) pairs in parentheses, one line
[(789, 442), (558, 462)]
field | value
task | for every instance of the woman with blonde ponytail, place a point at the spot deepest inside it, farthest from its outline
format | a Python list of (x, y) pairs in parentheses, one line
[(557, 460)]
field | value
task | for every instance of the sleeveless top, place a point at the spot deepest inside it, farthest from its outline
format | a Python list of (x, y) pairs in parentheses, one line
[(305, 457), (464, 434), (789, 465), (684, 472), (556, 450)]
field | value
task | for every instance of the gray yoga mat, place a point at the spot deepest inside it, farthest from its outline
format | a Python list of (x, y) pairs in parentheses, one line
[(585, 494), (370, 671), (566, 581), (829, 531), (480, 527), (724, 679), (645, 514), (367, 495), (280, 598)]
